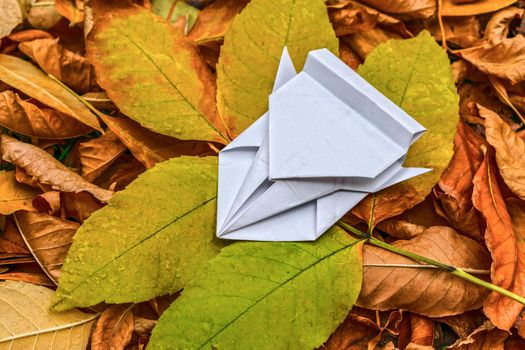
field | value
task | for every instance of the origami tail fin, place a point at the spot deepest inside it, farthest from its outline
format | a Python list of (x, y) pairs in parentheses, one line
[(402, 175)]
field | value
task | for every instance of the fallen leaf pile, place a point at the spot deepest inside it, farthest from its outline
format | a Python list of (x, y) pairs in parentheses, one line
[(112, 114)]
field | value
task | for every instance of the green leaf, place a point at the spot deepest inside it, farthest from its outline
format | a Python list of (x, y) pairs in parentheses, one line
[(148, 241), (266, 295), (252, 49), (416, 75), (27, 323), (153, 73)]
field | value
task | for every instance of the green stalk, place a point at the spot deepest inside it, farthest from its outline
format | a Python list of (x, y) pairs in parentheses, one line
[(416, 257)]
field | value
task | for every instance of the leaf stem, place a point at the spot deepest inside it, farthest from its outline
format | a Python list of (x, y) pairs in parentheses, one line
[(416, 257)]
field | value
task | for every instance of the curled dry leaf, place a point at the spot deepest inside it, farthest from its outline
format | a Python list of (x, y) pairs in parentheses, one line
[(455, 185), (510, 150), (173, 92), (33, 82), (149, 147), (73, 10), (407, 8), (484, 337), (215, 20), (47, 202), (350, 17), (14, 195), (79, 206), (67, 66), (475, 8), (363, 329), (348, 56), (505, 244), (498, 26), (426, 291), (98, 154), (30, 273), (31, 120), (29, 35), (114, 328), (504, 59), (48, 238), (41, 165)]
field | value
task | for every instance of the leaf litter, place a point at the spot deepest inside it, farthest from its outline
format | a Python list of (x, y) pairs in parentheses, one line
[(174, 82)]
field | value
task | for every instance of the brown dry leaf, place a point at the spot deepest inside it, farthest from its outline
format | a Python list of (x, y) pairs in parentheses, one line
[(498, 26), (460, 31), (414, 221), (48, 238), (426, 291), (98, 154), (401, 229), (348, 56), (30, 273), (31, 120), (149, 147), (79, 206), (456, 182), (114, 328), (33, 82), (350, 17), (420, 335), (478, 7), (484, 337), (504, 59), (41, 165), (73, 10), (406, 8), (465, 323), (363, 43), (506, 248), (69, 67), (47, 202), (510, 150), (363, 329), (215, 20), (11, 242), (29, 35), (14, 195)]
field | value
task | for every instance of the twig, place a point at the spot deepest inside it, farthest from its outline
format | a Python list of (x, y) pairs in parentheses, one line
[(416, 257), (422, 266)]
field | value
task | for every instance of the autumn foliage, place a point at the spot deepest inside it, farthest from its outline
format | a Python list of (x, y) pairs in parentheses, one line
[(112, 114)]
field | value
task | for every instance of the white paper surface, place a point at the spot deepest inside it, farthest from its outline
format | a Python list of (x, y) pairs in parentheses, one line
[(328, 139)]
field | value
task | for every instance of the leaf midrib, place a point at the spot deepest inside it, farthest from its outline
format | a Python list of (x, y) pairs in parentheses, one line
[(307, 268), (136, 245), (124, 34)]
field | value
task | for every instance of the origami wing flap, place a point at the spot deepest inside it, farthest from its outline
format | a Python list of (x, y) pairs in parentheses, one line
[(334, 206)]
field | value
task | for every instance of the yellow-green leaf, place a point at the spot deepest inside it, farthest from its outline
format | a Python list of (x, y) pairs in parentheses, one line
[(266, 295), (252, 49), (27, 323), (33, 82), (153, 73), (416, 75), (148, 241)]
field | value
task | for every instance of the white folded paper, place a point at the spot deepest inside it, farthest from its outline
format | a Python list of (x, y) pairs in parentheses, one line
[(328, 139)]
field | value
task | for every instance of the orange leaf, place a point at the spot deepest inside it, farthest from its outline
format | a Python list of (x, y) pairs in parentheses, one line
[(508, 267), (114, 328)]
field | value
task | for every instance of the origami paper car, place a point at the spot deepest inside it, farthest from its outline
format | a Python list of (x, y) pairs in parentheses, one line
[(328, 139)]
